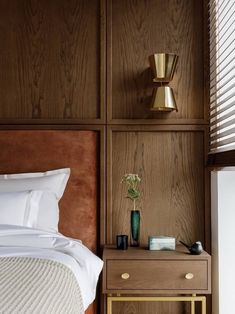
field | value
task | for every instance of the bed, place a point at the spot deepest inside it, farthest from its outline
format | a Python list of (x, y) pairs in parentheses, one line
[(43, 271)]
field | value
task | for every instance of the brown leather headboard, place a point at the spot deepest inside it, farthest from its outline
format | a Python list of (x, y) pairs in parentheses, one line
[(41, 150)]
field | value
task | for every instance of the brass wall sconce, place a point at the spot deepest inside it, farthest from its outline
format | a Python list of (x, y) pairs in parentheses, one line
[(163, 68)]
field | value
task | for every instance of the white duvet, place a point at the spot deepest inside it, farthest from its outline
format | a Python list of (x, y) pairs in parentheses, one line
[(22, 241)]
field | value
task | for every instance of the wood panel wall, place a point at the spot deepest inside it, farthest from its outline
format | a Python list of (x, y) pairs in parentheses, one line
[(137, 29), (170, 162), (50, 59), (84, 64)]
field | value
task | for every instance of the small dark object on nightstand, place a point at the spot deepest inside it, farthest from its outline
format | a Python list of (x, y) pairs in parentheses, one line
[(195, 249), (122, 241)]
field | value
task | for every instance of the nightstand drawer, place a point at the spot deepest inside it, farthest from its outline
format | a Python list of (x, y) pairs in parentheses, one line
[(157, 275)]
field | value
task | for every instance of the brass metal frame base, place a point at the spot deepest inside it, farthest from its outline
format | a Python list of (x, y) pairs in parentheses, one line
[(192, 299)]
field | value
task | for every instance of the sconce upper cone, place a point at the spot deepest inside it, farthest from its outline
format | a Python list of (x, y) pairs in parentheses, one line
[(163, 66)]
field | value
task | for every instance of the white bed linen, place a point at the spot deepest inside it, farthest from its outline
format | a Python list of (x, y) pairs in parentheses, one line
[(23, 241)]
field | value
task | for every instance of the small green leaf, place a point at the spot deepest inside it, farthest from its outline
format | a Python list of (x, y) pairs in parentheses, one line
[(132, 193)]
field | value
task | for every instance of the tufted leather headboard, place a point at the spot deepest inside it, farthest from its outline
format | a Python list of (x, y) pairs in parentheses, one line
[(41, 150)]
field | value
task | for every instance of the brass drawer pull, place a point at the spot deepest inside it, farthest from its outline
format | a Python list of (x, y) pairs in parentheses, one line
[(189, 276), (125, 276)]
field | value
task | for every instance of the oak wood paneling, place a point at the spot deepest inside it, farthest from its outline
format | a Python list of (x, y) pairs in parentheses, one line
[(53, 56), (171, 165), (138, 28), (49, 59)]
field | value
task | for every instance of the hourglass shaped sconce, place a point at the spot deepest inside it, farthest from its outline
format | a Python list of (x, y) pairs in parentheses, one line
[(163, 67)]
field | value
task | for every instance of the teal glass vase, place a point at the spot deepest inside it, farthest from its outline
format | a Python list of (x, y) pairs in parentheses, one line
[(135, 228)]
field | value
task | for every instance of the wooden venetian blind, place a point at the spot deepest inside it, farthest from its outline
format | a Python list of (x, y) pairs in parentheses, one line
[(222, 76)]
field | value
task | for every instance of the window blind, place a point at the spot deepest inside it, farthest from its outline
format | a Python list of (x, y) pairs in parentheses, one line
[(222, 75)]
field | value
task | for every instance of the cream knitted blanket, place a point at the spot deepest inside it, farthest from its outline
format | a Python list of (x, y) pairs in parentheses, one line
[(38, 286)]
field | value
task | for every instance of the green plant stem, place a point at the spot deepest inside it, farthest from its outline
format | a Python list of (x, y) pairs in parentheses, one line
[(134, 204)]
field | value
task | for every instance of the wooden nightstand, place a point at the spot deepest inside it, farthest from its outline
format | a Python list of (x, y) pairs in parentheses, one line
[(138, 272)]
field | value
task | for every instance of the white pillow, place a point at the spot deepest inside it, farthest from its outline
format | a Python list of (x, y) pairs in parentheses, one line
[(48, 213), (54, 180), (52, 183), (20, 208)]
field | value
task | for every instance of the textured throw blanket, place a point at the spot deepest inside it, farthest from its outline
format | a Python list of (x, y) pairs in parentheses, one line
[(38, 286)]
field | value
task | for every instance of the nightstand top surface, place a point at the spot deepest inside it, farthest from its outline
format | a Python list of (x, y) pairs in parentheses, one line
[(110, 252)]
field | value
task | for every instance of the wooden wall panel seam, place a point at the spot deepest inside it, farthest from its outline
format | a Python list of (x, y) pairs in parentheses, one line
[(206, 58), (103, 186), (109, 187), (103, 31), (162, 127), (157, 121), (109, 59), (50, 121)]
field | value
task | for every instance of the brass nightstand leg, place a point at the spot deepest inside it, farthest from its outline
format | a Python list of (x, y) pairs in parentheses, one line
[(109, 305), (193, 305), (204, 305)]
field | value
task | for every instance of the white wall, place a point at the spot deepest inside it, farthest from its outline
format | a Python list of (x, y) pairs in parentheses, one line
[(223, 241)]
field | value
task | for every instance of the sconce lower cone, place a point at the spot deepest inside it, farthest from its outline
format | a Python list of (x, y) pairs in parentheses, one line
[(163, 99), (163, 66)]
